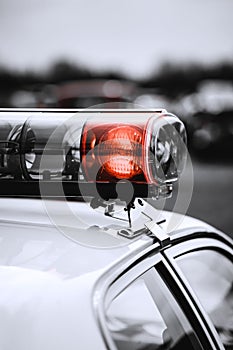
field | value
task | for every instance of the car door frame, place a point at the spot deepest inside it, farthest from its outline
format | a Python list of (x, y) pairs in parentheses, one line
[(190, 244), (114, 282)]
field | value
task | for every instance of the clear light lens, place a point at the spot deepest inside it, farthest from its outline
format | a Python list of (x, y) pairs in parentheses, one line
[(167, 144)]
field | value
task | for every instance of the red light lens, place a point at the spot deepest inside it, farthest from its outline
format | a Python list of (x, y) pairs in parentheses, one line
[(120, 147), (144, 150), (112, 152)]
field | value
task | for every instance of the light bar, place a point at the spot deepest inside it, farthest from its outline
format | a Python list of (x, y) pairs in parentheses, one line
[(98, 148)]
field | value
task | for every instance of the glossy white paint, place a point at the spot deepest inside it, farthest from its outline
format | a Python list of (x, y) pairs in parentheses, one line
[(43, 310), (30, 240), (47, 278)]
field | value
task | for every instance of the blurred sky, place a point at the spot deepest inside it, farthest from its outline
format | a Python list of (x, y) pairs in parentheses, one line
[(132, 36)]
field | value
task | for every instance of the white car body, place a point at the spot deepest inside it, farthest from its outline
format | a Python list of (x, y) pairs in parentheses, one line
[(48, 281), (84, 269)]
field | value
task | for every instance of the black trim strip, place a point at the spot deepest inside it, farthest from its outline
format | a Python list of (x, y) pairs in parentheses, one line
[(21, 188), (184, 304)]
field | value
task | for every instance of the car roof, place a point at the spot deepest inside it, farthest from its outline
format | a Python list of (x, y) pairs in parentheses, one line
[(56, 273), (72, 237)]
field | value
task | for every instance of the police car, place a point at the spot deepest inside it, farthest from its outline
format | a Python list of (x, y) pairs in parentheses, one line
[(86, 262)]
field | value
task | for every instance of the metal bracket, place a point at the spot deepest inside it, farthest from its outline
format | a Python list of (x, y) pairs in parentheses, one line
[(150, 227), (158, 233), (146, 219)]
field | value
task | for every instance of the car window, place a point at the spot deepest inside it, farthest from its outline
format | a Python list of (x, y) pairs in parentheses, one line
[(210, 275), (137, 319)]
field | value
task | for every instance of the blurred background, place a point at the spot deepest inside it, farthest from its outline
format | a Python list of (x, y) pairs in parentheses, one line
[(177, 55)]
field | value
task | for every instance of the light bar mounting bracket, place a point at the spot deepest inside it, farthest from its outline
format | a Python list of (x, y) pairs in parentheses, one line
[(149, 222)]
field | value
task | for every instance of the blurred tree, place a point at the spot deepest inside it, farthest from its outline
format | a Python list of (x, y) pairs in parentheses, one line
[(176, 80), (171, 80), (65, 71)]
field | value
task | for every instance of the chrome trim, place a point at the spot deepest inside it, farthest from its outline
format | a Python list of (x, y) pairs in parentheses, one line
[(134, 268), (183, 248), (185, 234), (76, 110)]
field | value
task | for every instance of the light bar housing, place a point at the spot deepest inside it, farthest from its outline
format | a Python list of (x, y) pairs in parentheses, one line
[(94, 148)]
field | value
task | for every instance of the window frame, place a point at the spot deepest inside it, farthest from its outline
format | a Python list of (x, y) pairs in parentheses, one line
[(109, 287), (193, 245)]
